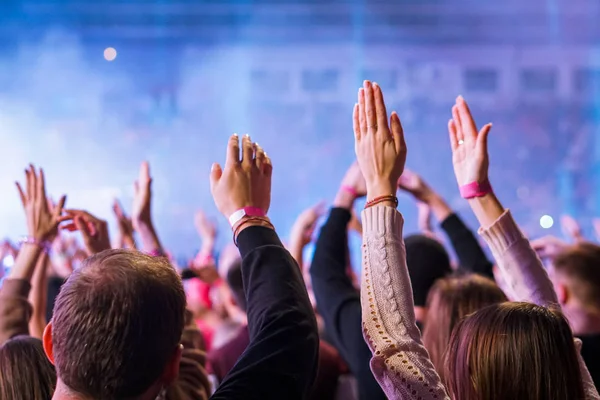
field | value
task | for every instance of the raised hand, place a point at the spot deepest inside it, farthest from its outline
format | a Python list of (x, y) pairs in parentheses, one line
[(469, 147), (42, 216), (304, 227), (124, 224), (354, 180), (415, 185), (93, 230), (379, 144), (141, 212), (548, 246), (571, 228), (207, 229), (245, 181)]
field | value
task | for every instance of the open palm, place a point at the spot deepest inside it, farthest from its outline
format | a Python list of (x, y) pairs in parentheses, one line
[(469, 147)]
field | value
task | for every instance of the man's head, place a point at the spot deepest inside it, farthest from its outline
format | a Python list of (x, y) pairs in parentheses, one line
[(427, 261), (576, 276), (117, 326), (236, 284)]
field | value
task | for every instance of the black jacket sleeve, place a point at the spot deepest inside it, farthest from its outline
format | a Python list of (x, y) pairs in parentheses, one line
[(281, 360), (338, 301), (470, 254)]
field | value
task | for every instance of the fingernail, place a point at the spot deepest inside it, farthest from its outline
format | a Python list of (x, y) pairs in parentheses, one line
[(375, 85), (459, 98), (235, 134), (247, 136)]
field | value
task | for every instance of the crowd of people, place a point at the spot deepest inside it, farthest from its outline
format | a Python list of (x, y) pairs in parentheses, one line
[(122, 320)]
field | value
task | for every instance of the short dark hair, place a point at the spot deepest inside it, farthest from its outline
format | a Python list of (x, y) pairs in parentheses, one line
[(427, 261), (117, 323), (580, 265), (236, 284), (26, 372)]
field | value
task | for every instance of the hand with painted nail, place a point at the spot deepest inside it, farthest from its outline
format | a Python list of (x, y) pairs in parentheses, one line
[(43, 217), (246, 179), (469, 147), (93, 230), (379, 143)]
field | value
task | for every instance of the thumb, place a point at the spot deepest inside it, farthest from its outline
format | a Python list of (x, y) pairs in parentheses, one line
[(215, 174), (397, 131), (482, 138)]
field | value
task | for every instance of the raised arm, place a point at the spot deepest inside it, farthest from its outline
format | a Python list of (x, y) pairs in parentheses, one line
[(400, 363), (42, 228), (141, 214), (281, 360), (338, 300), (470, 255), (521, 267), (302, 232)]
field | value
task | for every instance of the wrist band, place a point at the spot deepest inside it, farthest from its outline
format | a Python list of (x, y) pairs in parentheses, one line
[(44, 245), (245, 212), (475, 189), (350, 190), (381, 199)]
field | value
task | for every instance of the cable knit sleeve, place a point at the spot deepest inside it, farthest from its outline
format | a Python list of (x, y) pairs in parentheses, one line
[(400, 363), (526, 276)]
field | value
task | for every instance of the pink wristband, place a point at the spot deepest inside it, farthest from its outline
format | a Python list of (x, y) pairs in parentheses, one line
[(245, 212), (475, 189), (350, 190)]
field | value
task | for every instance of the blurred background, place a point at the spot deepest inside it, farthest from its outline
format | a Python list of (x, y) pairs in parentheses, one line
[(89, 89)]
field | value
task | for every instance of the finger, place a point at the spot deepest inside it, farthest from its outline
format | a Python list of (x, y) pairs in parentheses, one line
[(370, 108), (30, 183), (260, 157), (397, 132), (356, 122), (382, 118), (21, 194), (268, 166), (362, 116), (82, 227), (215, 175), (457, 124), (41, 189), (83, 214), (453, 135), (58, 209), (482, 138), (233, 151), (69, 227), (64, 218), (247, 151), (469, 129), (144, 173)]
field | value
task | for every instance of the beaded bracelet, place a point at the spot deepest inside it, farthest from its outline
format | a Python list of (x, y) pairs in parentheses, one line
[(381, 199), (44, 245)]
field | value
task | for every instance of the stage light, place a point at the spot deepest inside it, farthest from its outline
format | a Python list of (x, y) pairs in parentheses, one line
[(110, 54), (546, 221)]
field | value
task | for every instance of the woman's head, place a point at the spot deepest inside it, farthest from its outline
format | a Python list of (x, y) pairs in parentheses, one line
[(26, 372), (513, 351), (450, 300)]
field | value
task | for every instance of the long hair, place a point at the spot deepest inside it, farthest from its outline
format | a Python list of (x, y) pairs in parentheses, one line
[(25, 372), (450, 300), (516, 351)]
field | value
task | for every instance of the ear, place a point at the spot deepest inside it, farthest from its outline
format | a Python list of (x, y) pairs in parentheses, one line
[(47, 342), (562, 292), (171, 371)]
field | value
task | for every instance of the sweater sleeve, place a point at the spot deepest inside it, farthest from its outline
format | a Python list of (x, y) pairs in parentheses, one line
[(471, 256), (520, 265), (400, 363), (526, 276), (280, 361), (338, 301), (15, 310)]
